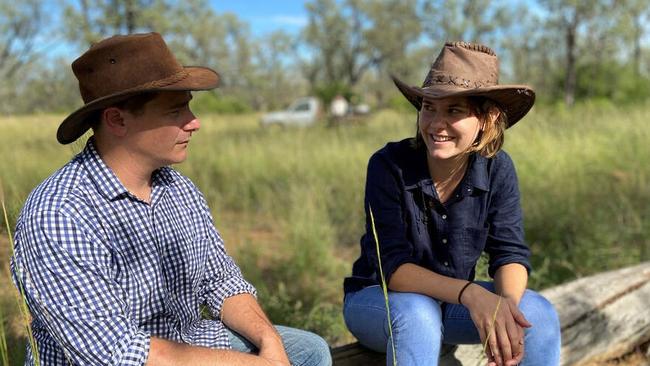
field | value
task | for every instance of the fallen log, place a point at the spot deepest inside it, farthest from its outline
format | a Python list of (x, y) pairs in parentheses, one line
[(603, 317)]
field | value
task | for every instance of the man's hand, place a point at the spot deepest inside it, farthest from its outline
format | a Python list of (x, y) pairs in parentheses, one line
[(504, 333), (243, 314), (273, 351)]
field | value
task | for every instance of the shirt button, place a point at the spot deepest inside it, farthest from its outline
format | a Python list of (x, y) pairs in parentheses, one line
[(444, 217), (444, 241), (446, 264), (469, 189)]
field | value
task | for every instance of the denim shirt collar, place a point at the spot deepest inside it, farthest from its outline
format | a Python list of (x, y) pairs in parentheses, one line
[(416, 175)]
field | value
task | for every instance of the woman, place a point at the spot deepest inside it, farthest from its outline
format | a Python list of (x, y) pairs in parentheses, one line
[(439, 200)]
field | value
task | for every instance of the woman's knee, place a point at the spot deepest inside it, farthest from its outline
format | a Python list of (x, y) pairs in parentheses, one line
[(415, 313), (541, 314)]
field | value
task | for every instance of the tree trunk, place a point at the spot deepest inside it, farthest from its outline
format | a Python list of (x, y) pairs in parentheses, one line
[(570, 78)]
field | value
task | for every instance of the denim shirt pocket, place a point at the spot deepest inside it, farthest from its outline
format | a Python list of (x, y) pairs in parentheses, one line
[(473, 244)]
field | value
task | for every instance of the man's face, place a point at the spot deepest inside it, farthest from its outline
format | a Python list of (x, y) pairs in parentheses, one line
[(160, 133)]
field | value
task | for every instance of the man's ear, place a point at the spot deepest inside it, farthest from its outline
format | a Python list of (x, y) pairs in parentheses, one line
[(113, 120)]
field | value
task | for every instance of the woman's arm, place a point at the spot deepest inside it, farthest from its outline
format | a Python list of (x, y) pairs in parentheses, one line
[(510, 281), (410, 277)]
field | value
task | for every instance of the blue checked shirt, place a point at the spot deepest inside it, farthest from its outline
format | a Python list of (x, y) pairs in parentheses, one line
[(104, 271)]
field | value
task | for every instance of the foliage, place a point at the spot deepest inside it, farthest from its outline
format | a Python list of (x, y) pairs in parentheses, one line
[(212, 102), (351, 47)]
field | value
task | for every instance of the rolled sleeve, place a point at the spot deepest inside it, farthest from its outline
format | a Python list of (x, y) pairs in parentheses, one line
[(64, 273), (223, 277), (383, 196), (506, 243)]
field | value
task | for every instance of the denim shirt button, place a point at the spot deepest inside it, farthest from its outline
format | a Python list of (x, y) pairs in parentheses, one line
[(444, 217), (446, 264), (444, 241)]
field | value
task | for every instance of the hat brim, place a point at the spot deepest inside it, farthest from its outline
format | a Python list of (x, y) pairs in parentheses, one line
[(515, 100), (77, 123)]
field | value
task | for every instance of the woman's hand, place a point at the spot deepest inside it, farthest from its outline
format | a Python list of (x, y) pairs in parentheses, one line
[(506, 336)]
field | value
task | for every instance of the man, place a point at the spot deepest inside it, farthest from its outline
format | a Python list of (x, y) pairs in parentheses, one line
[(116, 252)]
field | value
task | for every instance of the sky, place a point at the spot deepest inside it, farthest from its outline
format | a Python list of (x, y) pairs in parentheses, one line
[(265, 16)]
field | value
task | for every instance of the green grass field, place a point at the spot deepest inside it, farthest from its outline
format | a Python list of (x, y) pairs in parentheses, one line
[(289, 202)]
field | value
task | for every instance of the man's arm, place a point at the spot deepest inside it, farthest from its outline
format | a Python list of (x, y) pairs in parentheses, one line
[(244, 315), (167, 353), (240, 313)]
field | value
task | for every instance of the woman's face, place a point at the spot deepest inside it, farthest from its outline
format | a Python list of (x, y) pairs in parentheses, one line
[(448, 126)]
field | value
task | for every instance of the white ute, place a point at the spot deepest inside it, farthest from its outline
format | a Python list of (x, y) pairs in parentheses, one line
[(302, 112)]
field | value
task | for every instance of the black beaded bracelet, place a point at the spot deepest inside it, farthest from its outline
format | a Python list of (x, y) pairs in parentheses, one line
[(463, 290)]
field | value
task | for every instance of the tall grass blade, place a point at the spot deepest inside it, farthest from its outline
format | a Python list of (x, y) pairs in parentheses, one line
[(22, 302), (383, 286), (4, 356), (489, 332)]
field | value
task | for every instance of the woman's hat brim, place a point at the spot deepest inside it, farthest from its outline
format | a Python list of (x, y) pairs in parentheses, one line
[(77, 123), (515, 100)]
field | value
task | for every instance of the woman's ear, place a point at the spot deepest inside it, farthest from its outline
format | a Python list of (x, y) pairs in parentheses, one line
[(113, 120)]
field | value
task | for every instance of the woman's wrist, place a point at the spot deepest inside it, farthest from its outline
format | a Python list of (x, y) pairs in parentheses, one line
[(462, 291)]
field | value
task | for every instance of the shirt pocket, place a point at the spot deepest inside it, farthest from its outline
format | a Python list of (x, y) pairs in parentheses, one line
[(473, 244)]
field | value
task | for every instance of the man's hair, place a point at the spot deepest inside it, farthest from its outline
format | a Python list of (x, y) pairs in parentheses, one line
[(134, 105), (494, 120)]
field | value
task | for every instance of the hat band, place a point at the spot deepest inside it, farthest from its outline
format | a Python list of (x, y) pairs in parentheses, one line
[(441, 79), (155, 84), (163, 82)]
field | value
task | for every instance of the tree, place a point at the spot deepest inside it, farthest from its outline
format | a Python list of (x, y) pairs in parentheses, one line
[(569, 16), (89, 21), (20, 22), (350, 38), (634, 16), (277, 79), (483, 21)]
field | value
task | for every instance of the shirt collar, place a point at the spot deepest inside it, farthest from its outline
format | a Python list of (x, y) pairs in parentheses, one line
[(416, 175), (477, 176), (107, 183)]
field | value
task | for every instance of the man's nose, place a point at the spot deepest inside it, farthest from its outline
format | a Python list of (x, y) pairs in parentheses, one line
[(193, 124)]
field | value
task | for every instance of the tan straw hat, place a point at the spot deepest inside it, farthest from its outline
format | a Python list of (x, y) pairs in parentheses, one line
[(119, 67), (469, 69)]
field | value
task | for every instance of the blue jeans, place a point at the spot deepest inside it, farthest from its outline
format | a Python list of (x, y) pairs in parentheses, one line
[(302, 347), (421, 325)]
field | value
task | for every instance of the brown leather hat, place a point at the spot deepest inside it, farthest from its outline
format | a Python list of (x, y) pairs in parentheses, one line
[(119, 67), (469, 69)]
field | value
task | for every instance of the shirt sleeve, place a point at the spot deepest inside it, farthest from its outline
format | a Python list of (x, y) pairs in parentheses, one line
[(505, 243), (64, 272), (223, 277), (384, 197)]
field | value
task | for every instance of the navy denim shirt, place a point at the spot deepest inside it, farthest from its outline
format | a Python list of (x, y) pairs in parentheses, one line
[(413, 226)]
